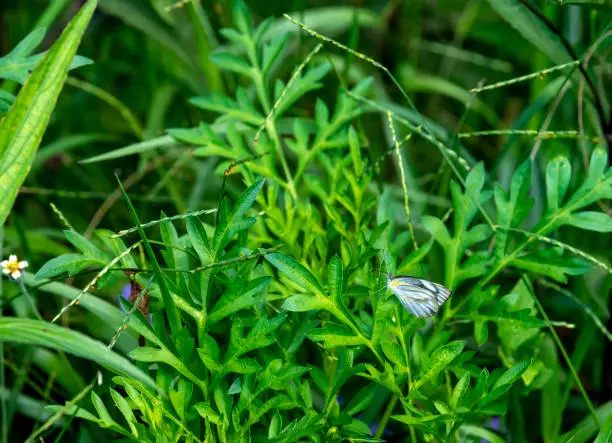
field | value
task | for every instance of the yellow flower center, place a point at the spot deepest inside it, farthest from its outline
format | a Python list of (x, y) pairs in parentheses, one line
[(13, 266)]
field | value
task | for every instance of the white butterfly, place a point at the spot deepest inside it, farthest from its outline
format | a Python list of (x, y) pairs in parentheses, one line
[(421, 297)]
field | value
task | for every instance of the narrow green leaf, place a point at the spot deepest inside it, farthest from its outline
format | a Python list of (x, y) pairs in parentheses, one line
[(296, 272), (558, 176), (24, 125), (174, 318), (532, 29), (40, 333), (335, 277)]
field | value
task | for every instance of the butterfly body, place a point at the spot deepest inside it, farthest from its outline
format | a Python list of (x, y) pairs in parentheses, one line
[(422, 298)]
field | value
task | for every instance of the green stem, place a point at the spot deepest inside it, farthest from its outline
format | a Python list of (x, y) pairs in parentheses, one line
[(561, 348), (386, 416)]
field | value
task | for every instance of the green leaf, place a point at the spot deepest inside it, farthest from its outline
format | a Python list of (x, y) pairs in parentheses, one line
[(585, 430), (361, 401), (335, 277), (208, 413), (532, 29), (512, 375), (394, 352), (296, 272), (67, 264), (605, 434), (512, 210), (591, 221), (436, 228), (241, 298), (199, 239), (558, 176), (303, 302), (230, 62), (124, 407), (242, 366), (552, 264), (40, 333), (17, 64), (154, 355), (242, 18), (170, 309), (334, 334), (84, 245), (439, 360), (24, 125), (459, 391), (226, 227)]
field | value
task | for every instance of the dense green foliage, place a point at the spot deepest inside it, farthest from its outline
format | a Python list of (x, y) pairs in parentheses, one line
[(250, 182)]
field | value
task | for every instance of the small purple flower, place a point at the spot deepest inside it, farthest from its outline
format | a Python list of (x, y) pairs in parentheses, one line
[(126, 292), (494, 424)]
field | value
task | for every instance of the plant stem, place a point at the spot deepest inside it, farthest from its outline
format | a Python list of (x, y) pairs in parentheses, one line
[(386, 416)]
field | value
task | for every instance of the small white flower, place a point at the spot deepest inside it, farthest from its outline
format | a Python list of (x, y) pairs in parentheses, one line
[(13, 267)]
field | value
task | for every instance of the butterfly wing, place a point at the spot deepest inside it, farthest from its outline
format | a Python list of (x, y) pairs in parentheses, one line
[(421, 297)]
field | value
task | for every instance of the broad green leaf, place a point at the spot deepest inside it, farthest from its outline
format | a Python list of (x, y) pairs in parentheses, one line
[(40, 333), (304, 302), (361, 401), (334, 334), (24, 125), (591, 221), (67, 264), (532, 29), (296, 272), (439, 360), (394, 352), (512, 375)]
